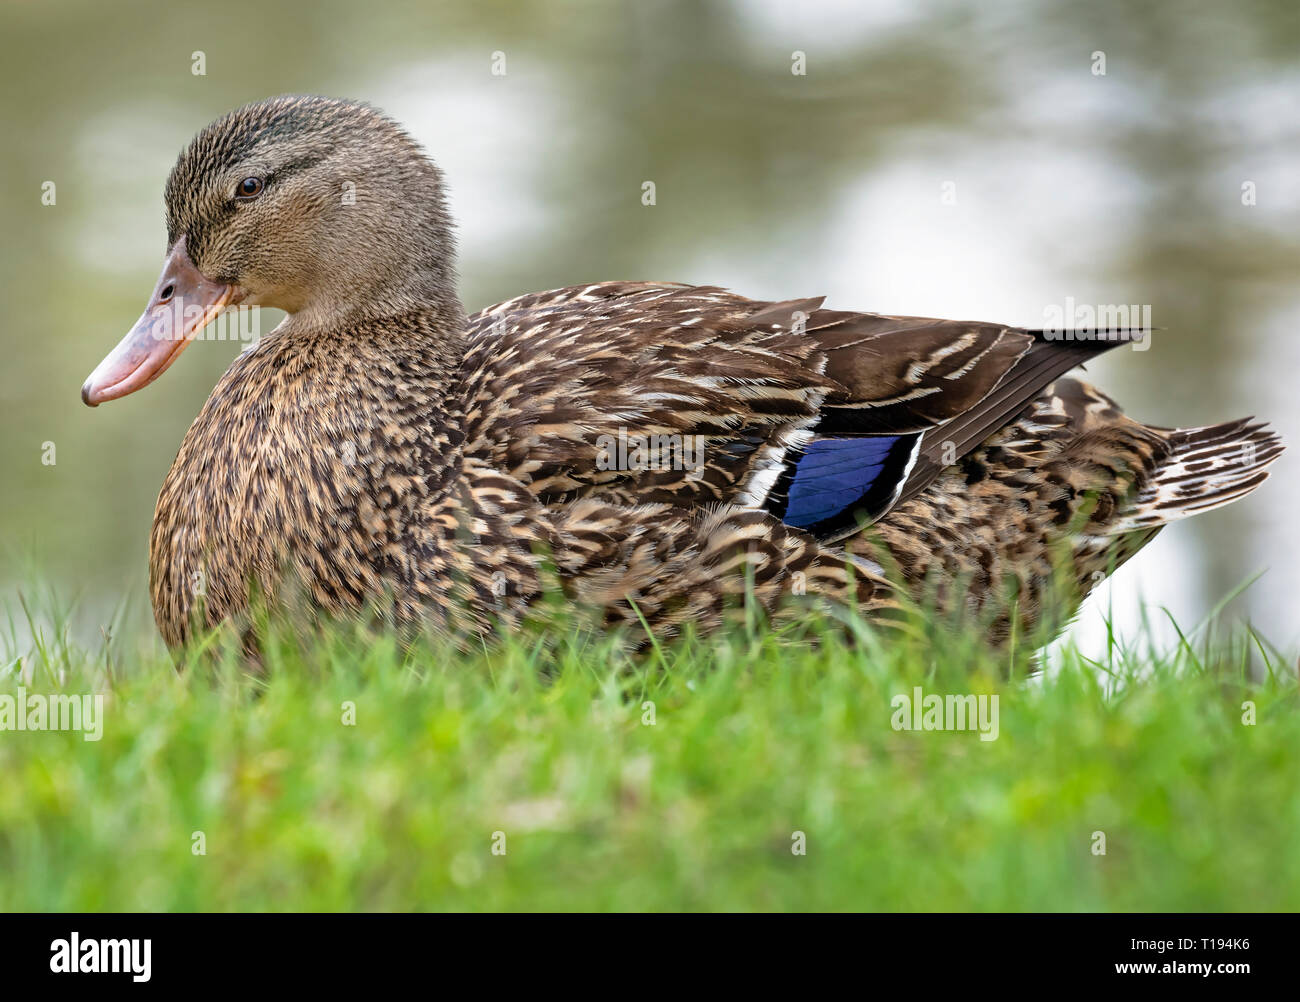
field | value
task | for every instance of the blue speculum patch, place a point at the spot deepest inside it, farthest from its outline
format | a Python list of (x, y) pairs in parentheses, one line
[(834, 474)]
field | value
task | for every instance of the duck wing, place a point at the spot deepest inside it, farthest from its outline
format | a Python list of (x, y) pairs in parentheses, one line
[(694, 396)]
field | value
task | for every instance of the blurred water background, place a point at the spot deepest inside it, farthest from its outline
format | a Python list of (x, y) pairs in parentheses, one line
[(936, 158)]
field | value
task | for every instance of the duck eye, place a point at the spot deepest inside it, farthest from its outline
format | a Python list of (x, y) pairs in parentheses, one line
[(250, 186)]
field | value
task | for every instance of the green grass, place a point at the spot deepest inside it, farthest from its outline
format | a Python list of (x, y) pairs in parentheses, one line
[(757, 735)]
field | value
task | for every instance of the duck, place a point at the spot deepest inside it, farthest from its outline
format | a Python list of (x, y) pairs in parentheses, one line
[(657, 454)]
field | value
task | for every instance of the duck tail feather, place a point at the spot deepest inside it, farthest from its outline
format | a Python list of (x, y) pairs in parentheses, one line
[(1206, 468)]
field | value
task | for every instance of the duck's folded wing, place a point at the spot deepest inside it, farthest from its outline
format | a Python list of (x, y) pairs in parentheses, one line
[(691, 395)]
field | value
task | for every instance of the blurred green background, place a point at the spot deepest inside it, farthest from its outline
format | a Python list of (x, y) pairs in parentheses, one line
[(1117, 188)]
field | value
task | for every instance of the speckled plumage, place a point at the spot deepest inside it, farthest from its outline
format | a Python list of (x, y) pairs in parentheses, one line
[(379, 451)]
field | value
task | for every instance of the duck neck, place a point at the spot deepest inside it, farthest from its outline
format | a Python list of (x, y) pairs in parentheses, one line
[(394, 258), (424, 312), (426, 289)]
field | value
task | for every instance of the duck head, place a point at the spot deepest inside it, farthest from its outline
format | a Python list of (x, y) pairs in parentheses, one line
[(323, 208)]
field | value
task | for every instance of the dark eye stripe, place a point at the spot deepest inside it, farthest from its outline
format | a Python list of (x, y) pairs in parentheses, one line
[(278, 174), (293, 167)]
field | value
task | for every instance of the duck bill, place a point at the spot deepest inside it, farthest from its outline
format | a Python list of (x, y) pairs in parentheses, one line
[(182, 304)]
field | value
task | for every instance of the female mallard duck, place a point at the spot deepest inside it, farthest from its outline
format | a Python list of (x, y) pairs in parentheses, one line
[(661, 449)]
